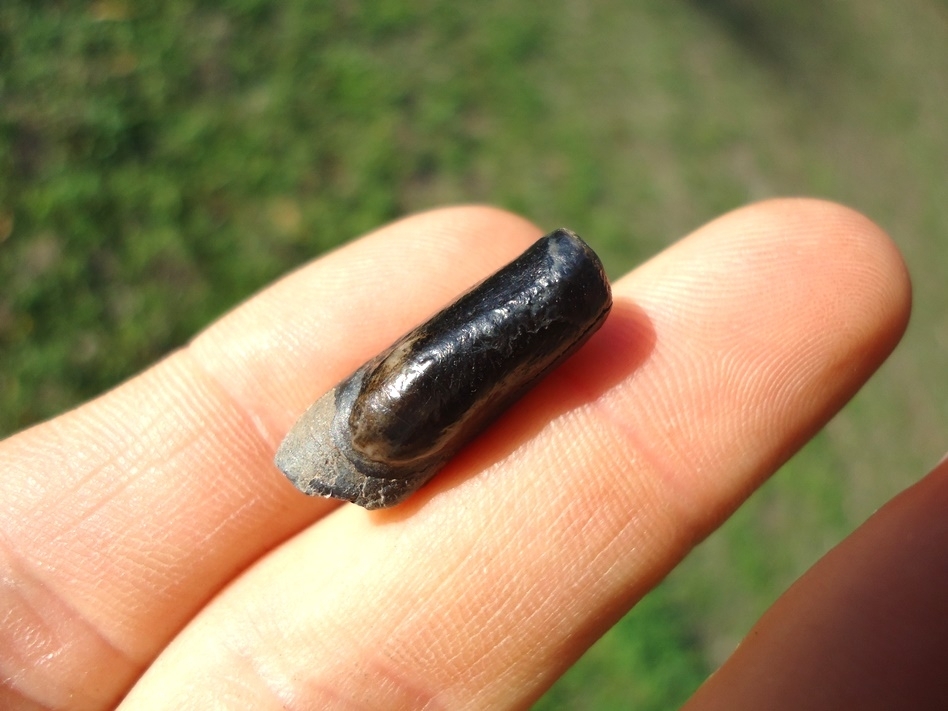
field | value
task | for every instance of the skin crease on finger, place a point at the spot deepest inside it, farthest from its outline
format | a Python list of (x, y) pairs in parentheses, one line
[(119, 520), (725, 353)]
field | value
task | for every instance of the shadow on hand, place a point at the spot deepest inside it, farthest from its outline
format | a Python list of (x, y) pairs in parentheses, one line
[(618, 349)]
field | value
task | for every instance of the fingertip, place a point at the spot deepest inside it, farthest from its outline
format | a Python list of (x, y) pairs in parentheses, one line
[(880, 277), (840, 268), (473, 226), (766, 321), (866, 274), (283, 348), (453, 240)]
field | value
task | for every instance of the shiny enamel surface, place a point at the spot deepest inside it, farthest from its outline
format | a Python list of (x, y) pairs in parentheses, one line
[(385, 430)]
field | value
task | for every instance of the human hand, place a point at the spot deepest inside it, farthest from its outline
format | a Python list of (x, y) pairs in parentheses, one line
[(150, 547)]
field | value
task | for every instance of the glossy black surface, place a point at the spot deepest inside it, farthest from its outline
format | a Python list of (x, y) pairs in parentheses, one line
[(403, 414), (440, 384)]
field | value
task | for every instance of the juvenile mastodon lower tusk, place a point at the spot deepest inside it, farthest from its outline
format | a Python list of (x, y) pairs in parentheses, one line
[(389, 427)]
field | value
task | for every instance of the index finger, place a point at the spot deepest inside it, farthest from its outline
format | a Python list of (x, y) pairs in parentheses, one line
[(122, 518)]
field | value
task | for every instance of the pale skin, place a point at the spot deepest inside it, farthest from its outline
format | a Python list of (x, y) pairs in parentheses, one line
[(153, 558)]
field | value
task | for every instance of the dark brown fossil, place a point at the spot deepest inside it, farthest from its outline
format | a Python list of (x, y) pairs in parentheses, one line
[(389, 427)]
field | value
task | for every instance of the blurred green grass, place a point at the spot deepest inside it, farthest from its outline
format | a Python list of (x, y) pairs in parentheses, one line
[(160, 162)]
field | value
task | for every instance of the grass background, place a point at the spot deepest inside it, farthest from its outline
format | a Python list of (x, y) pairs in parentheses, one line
[(160, 162)]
